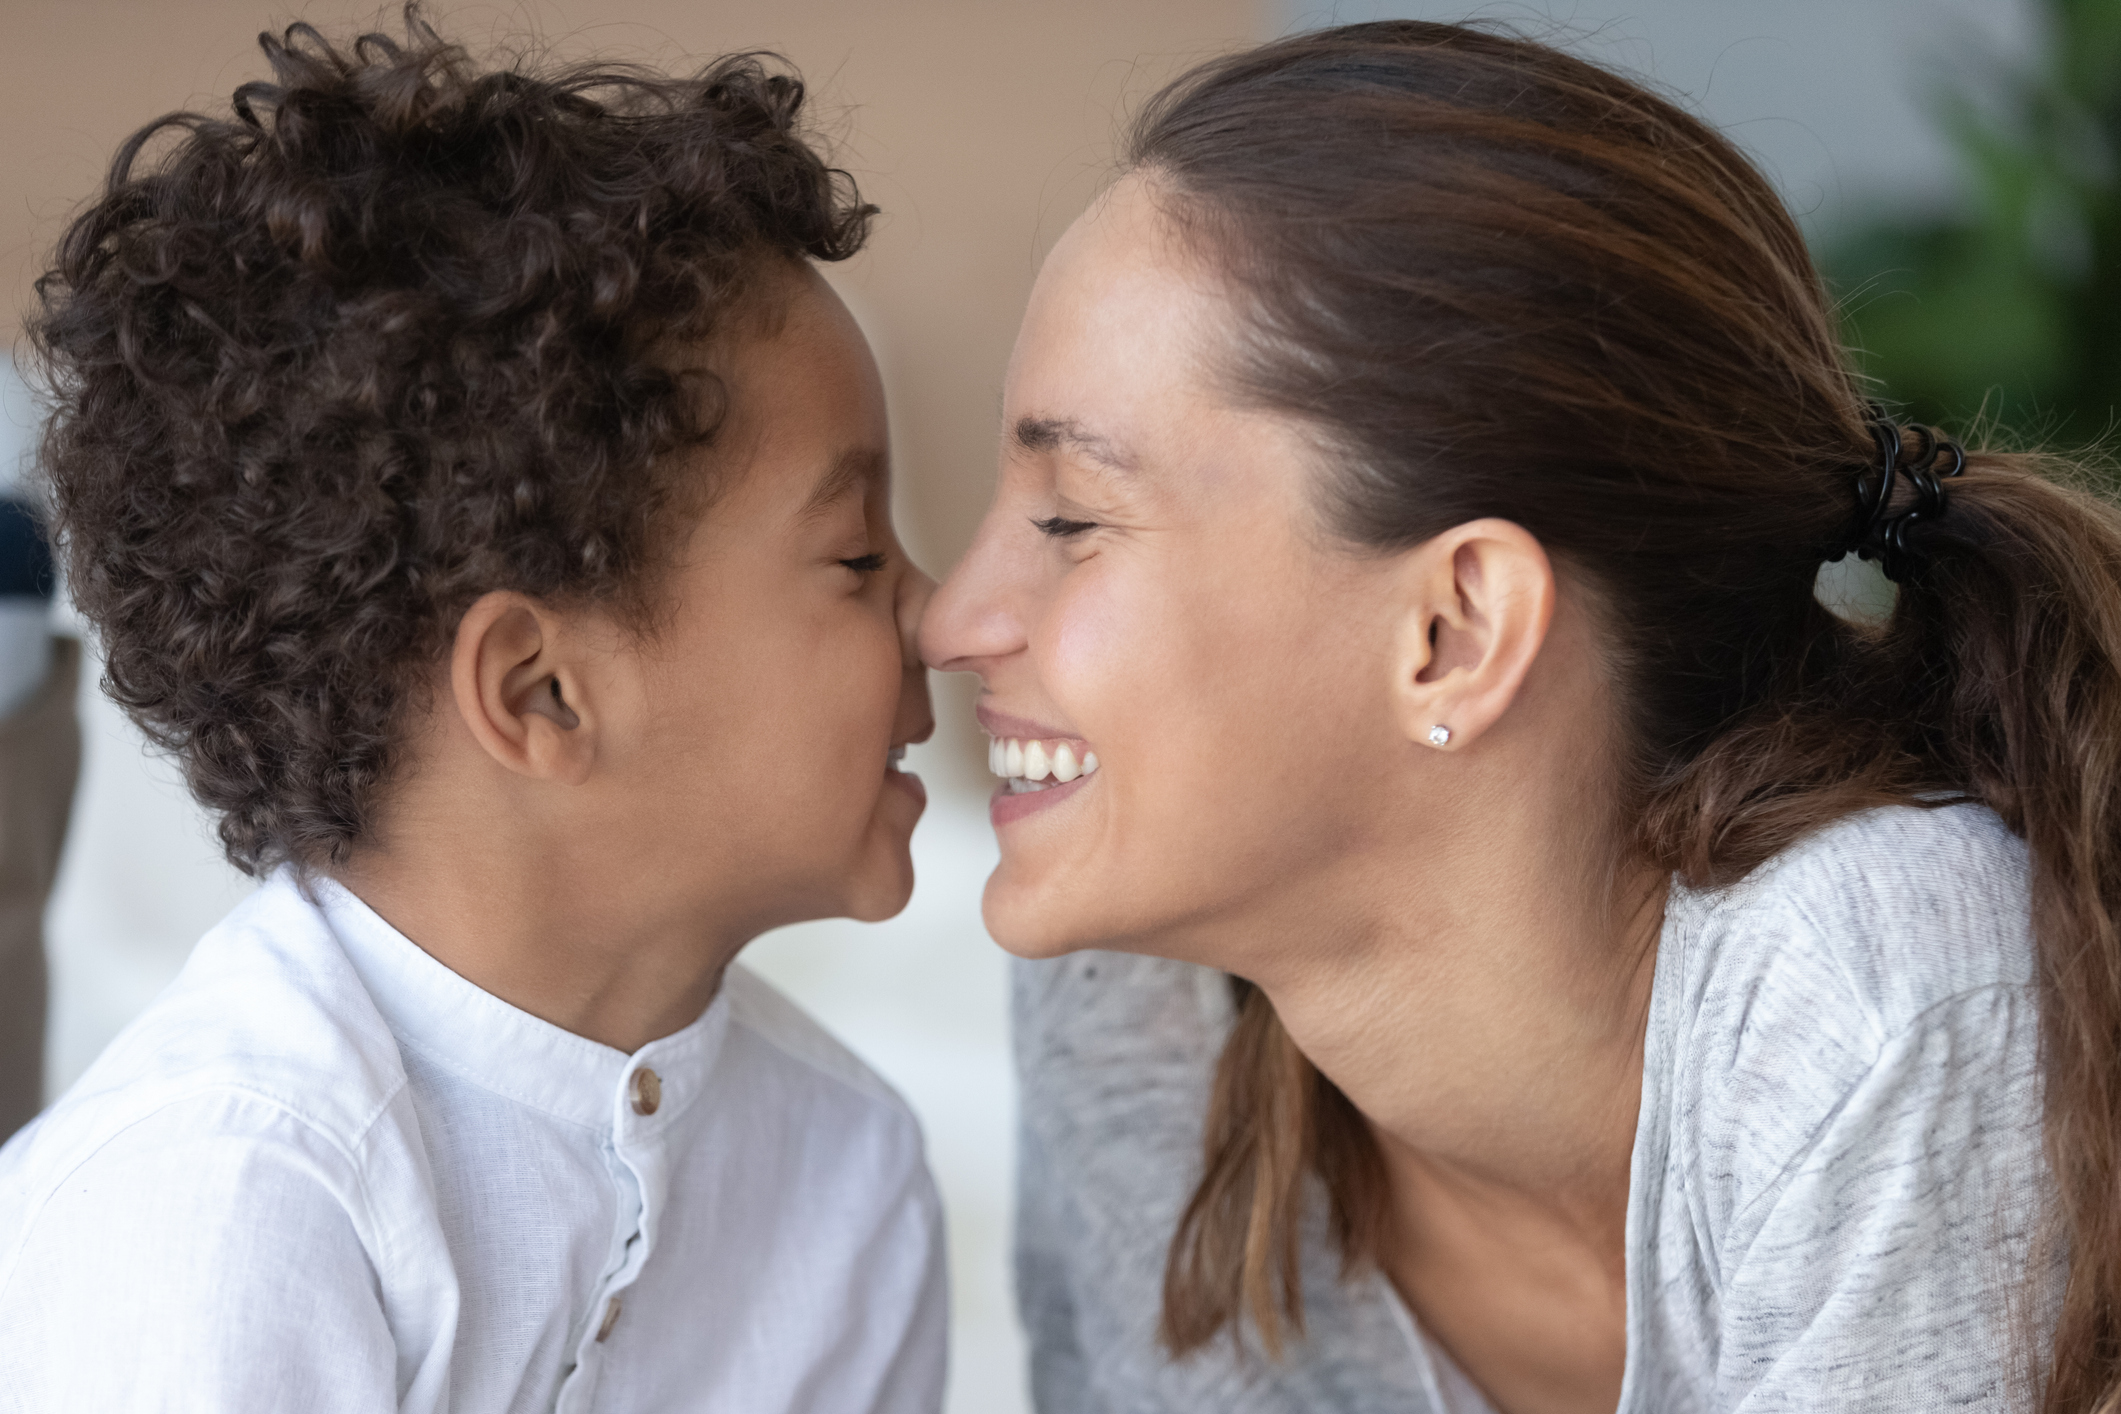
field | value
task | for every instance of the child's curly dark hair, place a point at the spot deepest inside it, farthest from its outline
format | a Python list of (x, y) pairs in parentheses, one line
[(383, 340)]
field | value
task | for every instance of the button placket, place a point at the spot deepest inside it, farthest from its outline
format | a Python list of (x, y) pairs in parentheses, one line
[(578, 1390), (644, 1097)]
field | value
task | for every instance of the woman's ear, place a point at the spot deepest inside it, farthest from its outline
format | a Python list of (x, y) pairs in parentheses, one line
[(519, 693), (1477, 602)]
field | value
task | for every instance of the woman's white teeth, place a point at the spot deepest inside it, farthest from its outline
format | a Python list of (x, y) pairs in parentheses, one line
[(895, 759), (1038, 765)]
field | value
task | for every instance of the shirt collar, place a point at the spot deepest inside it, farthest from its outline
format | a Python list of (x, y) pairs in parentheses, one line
[(504, 1049)]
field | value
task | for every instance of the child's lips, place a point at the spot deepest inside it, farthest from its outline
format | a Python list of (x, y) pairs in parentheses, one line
[(896, 779)]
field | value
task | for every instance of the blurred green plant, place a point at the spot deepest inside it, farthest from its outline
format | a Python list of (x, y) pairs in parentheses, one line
[(2008, 310)]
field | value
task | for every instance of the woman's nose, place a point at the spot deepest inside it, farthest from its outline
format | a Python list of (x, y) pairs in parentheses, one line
[(938, 628), (970, 620)]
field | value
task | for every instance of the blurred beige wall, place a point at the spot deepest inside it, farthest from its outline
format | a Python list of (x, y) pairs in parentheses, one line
[(980, 126)]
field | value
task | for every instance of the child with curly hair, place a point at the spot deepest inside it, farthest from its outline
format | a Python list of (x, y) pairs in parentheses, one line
[(474, 485)]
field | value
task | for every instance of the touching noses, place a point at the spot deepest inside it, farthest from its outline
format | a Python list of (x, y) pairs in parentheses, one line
[(916, 715), (915, 590)]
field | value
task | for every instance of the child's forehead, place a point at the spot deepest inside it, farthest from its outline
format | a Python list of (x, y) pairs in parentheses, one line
[(857, 472), (800, 396), (765, 488), (776, 465)]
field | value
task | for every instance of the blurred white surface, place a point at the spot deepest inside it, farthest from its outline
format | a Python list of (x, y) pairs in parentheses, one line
[(18, 428), (25, 649)]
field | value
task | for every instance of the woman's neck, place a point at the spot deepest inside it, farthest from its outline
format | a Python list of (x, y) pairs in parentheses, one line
[(1486, 1012), (1500, 1036)]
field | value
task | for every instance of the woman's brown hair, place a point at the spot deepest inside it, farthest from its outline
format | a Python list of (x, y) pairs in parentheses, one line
[(1496, 280)]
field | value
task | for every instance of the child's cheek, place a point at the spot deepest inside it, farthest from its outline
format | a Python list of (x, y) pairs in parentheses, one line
[(866, 673)]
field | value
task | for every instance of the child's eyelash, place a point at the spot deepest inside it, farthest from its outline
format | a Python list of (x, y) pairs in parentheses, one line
[(865, 564), (1061, 529)]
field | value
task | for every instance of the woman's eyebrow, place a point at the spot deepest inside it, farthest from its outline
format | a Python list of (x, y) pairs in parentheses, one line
[(1046, 434), (857, 467)]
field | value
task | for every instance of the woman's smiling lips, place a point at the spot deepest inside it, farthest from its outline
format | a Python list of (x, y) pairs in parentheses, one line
[(1039, 765)]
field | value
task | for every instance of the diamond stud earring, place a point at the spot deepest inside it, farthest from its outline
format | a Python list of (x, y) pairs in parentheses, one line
[(1439, 735)]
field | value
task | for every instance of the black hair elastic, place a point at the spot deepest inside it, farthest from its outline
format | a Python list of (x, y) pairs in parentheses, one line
[(1881, 533)]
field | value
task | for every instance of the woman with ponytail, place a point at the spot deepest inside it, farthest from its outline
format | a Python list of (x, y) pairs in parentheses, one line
[(1552, 953)]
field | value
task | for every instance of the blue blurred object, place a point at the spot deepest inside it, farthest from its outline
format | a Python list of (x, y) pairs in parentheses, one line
[(25, 555)]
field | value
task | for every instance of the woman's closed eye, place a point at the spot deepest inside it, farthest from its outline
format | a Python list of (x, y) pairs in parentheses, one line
[(1060, 528)]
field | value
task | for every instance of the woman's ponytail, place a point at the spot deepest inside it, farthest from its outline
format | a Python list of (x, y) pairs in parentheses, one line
[(2020, 602), (1997, 678)]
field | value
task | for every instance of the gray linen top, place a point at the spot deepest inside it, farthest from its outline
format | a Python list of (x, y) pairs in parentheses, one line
[(1835, 1190)]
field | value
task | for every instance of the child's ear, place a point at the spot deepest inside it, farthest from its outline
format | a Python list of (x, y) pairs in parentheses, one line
[(519, 694)]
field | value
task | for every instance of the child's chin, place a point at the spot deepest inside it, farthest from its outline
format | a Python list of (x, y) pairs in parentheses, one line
[(886, 889), (876, 911)]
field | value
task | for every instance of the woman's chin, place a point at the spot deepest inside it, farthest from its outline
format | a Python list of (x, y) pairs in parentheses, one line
[(1030, 927)]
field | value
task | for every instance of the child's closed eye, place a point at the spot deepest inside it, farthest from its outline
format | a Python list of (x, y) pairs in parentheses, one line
[(866, 564)]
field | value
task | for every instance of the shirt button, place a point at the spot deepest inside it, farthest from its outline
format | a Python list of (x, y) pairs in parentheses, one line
[(647, 1091), (611, 1318)]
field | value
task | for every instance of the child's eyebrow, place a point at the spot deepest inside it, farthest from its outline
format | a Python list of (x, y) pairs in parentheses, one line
[(857, 467)]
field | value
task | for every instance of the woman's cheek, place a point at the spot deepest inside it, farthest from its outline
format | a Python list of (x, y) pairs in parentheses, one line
[(1096, 657)]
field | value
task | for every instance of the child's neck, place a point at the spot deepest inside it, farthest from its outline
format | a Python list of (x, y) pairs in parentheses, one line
[(529, 930)]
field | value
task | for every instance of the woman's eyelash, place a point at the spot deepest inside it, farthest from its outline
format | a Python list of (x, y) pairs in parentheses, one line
[(865, 564), (1061, 529)]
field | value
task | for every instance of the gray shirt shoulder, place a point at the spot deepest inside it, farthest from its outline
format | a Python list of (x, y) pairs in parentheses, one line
[(1837, 1174), (1839, 1179), (1115, 1056)]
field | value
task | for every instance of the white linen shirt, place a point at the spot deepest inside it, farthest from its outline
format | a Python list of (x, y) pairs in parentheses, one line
[(322, 1172)]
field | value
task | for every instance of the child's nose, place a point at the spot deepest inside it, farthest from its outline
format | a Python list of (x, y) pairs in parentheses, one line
[(914, 591), (916, 711)]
